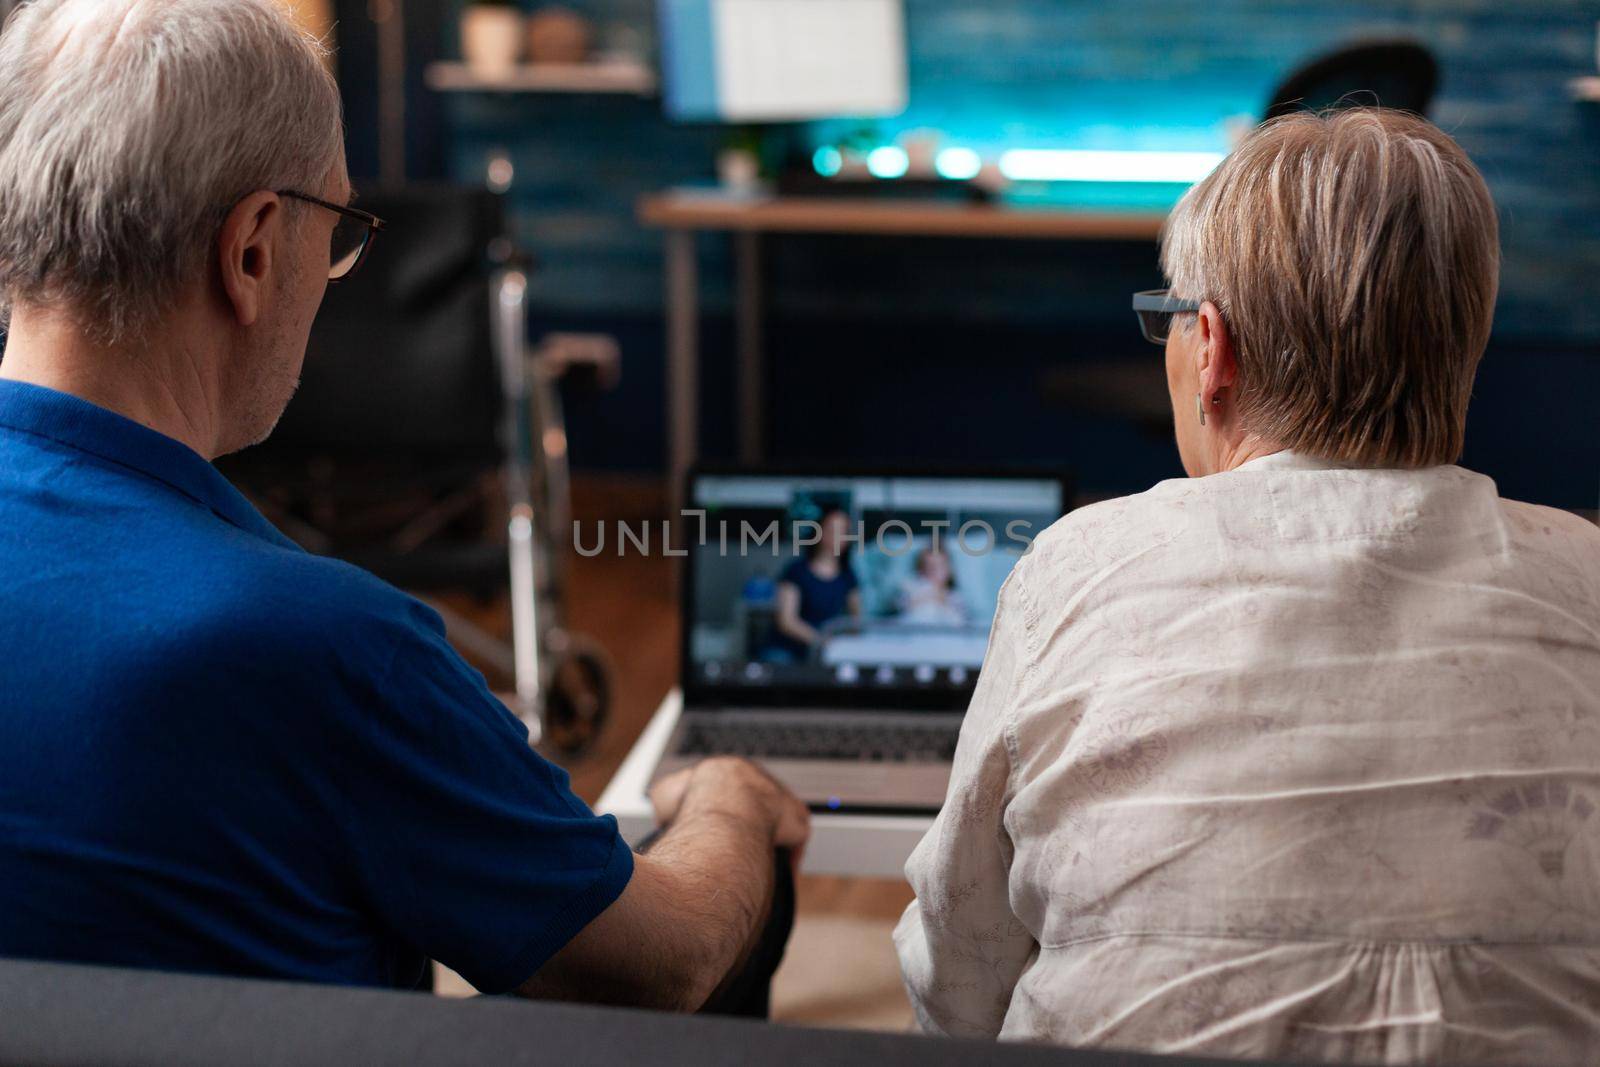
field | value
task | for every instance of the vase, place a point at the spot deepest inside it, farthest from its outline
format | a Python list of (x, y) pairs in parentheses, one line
[(559, 36), (491, 39)]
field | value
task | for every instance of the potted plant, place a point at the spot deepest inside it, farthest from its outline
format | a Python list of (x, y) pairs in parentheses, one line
[(492, 36)]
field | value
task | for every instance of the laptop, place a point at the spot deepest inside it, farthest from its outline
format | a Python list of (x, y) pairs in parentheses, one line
[(834, 625)]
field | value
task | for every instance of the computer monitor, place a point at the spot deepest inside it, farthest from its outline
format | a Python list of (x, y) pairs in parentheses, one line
[(741, 61), (870, 589)]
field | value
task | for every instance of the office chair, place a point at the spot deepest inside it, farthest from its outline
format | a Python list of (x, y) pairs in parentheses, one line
[(426, 444), (1391, 73)]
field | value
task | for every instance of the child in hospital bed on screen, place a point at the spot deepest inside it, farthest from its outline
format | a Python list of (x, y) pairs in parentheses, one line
[(929, 596)]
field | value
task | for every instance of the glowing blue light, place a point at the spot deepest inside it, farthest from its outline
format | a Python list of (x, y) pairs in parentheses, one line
[(889, 161), (828, 161), (958, 164), (1076, 165)]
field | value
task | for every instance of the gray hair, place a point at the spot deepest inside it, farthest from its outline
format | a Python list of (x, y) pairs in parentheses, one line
[(130, 128), (1355, 258)]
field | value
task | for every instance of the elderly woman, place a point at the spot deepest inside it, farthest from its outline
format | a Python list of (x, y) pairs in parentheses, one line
[(1301, 756)]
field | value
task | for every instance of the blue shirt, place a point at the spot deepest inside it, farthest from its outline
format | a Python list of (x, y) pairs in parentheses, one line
[(821, 599), (220, 753)]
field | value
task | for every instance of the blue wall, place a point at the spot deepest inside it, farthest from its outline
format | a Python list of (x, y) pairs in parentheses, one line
[(1134, 74), (994, 73)]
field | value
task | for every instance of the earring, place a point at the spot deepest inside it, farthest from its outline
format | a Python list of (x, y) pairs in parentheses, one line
[(1200, 406)]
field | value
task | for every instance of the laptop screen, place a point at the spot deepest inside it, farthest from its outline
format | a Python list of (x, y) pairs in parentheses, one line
[(860, 591)]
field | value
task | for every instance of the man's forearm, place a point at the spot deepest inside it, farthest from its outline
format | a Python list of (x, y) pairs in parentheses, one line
[(722, 862), (693, 908)]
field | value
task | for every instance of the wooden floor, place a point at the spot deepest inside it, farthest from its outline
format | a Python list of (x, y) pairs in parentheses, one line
[(840, 969)]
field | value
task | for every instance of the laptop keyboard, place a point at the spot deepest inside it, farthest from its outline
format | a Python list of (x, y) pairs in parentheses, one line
[(866, 742)]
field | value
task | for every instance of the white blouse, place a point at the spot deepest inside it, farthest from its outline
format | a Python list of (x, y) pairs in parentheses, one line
[(1297, 761)]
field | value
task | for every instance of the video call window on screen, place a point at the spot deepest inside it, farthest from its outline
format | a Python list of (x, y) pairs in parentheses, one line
[(856, 581)]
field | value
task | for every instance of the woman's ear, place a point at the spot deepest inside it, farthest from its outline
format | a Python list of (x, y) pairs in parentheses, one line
[(1217, 366)]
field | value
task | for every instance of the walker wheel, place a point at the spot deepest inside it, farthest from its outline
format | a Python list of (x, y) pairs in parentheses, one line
[(577, 699)]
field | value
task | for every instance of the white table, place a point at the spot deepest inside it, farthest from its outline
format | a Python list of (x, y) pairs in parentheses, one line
[(858, 846)]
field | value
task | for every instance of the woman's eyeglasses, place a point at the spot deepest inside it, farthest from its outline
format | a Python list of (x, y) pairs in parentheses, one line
[(1155, 308), (352, 235)]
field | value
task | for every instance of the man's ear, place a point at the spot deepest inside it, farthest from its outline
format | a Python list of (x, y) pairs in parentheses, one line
[(247, 251), (1218, 367)]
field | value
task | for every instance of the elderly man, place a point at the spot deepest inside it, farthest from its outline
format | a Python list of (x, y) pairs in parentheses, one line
[(217, 752)]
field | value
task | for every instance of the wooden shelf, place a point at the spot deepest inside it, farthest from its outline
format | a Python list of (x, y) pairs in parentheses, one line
[(1585, 89), (599, 76), (717, 210)]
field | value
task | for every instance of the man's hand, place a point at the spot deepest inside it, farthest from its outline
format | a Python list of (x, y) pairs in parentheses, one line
[(738, 787), (666, 796)]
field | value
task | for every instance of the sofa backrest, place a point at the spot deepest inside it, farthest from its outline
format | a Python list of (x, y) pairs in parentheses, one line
[(55, 1014)]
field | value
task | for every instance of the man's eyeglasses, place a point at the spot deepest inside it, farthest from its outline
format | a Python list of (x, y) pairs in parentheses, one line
[(352, 235), (1155, 308)]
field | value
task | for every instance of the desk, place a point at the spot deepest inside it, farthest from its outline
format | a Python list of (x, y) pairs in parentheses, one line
[(682, 214), (858, 846)]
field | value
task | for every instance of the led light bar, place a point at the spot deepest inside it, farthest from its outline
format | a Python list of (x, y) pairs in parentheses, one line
[(890, 161), (827, 161), (958, 164), (1078, 165)]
